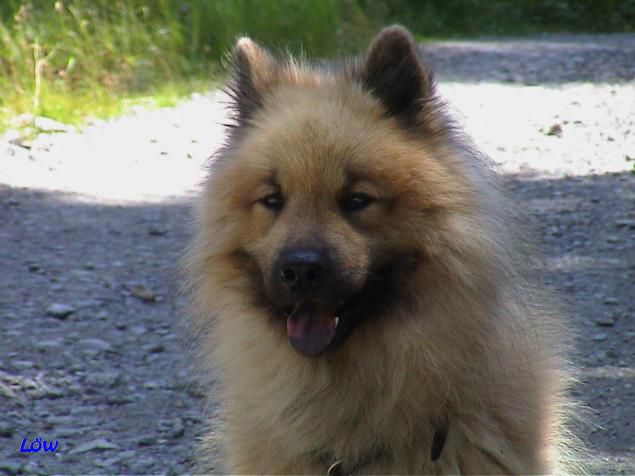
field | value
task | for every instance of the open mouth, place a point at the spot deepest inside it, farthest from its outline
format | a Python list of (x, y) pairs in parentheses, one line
[(313, 326)]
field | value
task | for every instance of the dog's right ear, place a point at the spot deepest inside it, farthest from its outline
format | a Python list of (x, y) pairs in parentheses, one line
[(253, 70)]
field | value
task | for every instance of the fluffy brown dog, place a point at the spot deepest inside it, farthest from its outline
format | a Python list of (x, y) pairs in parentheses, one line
[(360, 285)]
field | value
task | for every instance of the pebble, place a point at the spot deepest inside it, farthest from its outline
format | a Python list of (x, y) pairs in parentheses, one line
[(97, 444), (605, 321), (155, 349), (147, 440), (10, 467), (139, 329), (156, 231), (599, 337), (104, 379), (611, 301), (6, 430), (96, 344), (555, 130), (141, 292), (46, 124), (151, 385), (626, 224), (60, 310), (173, 428)]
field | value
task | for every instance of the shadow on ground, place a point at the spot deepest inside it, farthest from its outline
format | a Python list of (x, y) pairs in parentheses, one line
[(547, 59), (113, 374)]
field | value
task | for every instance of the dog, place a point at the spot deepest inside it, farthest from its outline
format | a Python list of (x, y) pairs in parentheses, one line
[(361, 287)]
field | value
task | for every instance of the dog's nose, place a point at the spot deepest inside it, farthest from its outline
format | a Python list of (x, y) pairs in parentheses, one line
[(302, 269)]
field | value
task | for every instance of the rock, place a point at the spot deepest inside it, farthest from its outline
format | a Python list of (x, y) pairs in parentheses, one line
[(49, 344), (141, 292), (6, 430), (147, 440), (601, 336), (156, 231), (10, 468), (96, 344), (60, 310), (104, 379), (555, 130), (151, 385), (605, 321), (173, 428), (611, 301), (155, 349), (177, 430), (117, 400), (139, 329), (46, 124), (6, 391), (626, 224), (98, 444)]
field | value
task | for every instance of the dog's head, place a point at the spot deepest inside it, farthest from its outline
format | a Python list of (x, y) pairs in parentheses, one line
[(331, 185)]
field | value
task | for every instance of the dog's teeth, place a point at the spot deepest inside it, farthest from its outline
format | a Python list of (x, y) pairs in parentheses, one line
[(337, 320)]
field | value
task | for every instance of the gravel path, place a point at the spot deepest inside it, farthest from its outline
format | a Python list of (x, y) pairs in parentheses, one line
[(91, 226)]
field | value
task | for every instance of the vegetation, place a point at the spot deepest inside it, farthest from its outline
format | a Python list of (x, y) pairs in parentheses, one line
[(69, 59)]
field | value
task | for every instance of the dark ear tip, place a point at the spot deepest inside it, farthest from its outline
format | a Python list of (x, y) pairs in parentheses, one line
[(395, 36)]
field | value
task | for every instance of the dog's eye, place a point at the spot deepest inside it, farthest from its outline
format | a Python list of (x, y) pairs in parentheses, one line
[(356, 202), (273, 201)]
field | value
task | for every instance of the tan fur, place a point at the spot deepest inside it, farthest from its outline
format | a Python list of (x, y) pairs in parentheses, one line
[(479, 345)]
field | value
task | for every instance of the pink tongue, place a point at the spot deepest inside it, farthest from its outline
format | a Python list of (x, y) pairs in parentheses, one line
[(311, 328)]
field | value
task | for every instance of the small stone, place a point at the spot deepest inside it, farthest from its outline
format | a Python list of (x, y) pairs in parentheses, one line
[(52, 393), (49, 125), (555, 130), (605, 321), (151, 385), (10, 468), (139, 329), (177, 430), (96, 344), (6, 391), (599, 337), (6, 430), (49, 344), (173, 428), (613, 239), (104, 379), (23, 364), (156, 231), (140, 466), (155, 349), (147, 440), (116, 400), (141, 292), (98, 444), (611, 301), (59, 310), (626, 224)]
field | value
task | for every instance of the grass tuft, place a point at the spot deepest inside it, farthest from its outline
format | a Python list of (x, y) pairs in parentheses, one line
[(69, 59)]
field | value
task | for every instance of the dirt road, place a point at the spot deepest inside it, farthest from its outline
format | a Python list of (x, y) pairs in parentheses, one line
[(92, 223)]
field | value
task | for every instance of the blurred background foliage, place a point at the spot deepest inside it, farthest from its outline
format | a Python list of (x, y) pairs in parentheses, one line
[(69, 59)]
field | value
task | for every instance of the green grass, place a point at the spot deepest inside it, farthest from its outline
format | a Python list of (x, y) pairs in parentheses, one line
[(72, 59)]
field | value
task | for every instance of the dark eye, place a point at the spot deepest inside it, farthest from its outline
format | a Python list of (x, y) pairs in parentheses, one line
[(356, 202), (273, 201)]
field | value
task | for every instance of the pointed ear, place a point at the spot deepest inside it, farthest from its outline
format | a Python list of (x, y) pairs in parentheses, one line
[(252, 70), (393, 72)]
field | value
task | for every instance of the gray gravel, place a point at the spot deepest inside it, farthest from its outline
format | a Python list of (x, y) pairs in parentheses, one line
[(92, 223)]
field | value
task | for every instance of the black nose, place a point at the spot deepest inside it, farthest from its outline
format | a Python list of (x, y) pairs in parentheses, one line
[(302, 269)]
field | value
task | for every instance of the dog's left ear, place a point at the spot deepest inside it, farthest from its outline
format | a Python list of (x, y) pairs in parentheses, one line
[(393, 72), (252, 71)]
